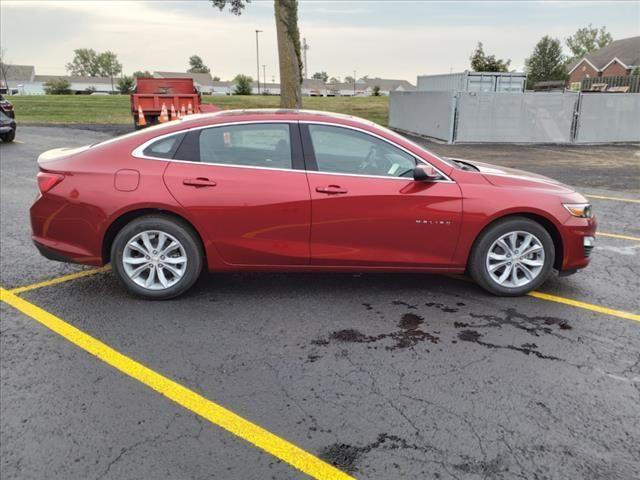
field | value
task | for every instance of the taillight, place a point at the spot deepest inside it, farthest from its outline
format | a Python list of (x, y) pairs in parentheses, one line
[(46, 181)]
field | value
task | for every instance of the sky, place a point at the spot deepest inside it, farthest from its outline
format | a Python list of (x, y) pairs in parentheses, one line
[(384, 38)]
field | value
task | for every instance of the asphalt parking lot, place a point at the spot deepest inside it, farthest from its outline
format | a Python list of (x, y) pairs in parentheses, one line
[(383, 376)]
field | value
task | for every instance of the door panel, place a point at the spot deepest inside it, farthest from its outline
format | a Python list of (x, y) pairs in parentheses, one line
[(252, 216), (241, 187), (367, 209), (383, 221)]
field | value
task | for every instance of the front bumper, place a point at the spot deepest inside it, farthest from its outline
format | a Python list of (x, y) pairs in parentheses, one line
[(578, 238)]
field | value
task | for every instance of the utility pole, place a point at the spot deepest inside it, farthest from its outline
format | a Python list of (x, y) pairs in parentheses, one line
[(258, 58), (305, 47), (354, 83)]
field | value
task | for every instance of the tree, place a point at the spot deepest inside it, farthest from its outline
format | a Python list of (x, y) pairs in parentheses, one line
[(88, 63), (197, 65), (57, 86), (142, 74), (349, 79), (636, 71), (84, 63), (546, 62), (487, 63), (376, 91), (243, 84), (126, 84), (109, 66), (588, 39), (320, 76), (216, 78), (290, 58)]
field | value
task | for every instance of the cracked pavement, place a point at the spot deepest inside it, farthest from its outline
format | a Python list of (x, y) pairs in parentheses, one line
[(385, 376)]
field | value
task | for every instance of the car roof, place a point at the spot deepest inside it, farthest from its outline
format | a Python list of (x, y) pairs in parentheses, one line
[(281, 113)]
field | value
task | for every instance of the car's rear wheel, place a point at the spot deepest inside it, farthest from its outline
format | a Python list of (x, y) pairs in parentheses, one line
[(512, 257), (9, 136), (157, 257)]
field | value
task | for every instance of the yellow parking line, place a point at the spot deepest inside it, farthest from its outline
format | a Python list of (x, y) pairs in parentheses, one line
[(615, 199), (64, 278), (18, 141), (216, 414), (569, 301), (586, 306), (616, 235)]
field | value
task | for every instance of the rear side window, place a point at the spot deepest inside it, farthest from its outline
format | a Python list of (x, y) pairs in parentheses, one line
[(165, 147), (266, 145)]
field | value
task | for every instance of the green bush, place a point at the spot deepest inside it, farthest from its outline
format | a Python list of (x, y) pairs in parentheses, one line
[(58, 86)]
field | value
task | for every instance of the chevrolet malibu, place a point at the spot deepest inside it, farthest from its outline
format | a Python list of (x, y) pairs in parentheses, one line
[(281, 190)]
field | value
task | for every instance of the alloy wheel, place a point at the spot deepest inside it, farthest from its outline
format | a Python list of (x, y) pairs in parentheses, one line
[(154, 260), (515, 259)]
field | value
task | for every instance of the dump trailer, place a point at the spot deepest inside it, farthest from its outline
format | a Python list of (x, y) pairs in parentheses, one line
[(151, 94)]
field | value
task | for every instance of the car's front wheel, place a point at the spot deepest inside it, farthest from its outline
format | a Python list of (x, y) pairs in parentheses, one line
[(512, 257), (157, 257)]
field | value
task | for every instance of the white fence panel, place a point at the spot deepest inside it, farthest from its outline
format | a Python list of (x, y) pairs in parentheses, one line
[(423, 113), (524, 118), (609, 117)]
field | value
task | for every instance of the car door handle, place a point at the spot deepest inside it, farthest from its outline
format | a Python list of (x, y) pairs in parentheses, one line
[(331, 189), (199, 182)]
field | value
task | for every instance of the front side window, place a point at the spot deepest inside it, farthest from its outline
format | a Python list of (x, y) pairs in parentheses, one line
[(254, 145), (165, 147), (342, 150)]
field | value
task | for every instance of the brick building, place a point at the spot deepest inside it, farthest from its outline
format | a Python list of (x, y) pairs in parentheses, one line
[(619, 58)]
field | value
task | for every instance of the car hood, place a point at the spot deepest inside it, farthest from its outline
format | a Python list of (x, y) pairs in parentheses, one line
[(508, 177)]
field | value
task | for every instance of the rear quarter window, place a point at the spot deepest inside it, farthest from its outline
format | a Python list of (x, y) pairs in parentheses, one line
[(165, 147)]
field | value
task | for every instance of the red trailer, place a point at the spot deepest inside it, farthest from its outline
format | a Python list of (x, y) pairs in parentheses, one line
[(152, 93)]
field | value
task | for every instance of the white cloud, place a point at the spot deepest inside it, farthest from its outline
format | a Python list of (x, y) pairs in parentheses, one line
[(162, 35)]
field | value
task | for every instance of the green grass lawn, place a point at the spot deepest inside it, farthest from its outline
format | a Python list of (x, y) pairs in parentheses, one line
[(114, 109)]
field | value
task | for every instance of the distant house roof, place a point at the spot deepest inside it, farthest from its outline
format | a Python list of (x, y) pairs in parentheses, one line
[(626, 51), (313, 83), (204, 79), (75, 79), (16, 73), (387, 84)]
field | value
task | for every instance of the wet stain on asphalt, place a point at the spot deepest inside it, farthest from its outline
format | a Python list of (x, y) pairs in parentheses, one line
[(347, 457), (409, 334), (535, 325), (404, 304), (526, 348), (442, 307), (485, 468)]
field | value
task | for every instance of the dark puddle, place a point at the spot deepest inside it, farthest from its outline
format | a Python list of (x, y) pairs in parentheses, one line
[(535, 325), (409, 334), (346, 457), (527, 348), (488, 469)]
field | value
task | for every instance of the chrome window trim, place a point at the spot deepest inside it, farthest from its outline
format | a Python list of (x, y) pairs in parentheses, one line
[(138, 151)]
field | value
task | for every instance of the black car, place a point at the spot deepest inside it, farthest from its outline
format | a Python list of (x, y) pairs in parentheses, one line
[(7, 121)]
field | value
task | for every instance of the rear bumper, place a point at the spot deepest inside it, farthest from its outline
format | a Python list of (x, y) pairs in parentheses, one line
[(51, 254), (61, 234)]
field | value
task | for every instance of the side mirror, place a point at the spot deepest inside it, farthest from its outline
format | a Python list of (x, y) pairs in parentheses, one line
[(425, 173)]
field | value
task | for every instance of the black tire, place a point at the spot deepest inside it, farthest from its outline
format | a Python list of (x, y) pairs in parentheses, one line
[(183, 232), (8, 137), (477, 260)]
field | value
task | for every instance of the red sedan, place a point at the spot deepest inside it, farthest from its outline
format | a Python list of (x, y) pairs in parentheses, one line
[(276, 190)]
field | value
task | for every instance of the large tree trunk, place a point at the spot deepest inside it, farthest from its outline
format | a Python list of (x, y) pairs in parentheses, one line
[(289, 53)]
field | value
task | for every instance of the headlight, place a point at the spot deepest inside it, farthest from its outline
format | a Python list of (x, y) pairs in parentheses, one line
[(582, 210)]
